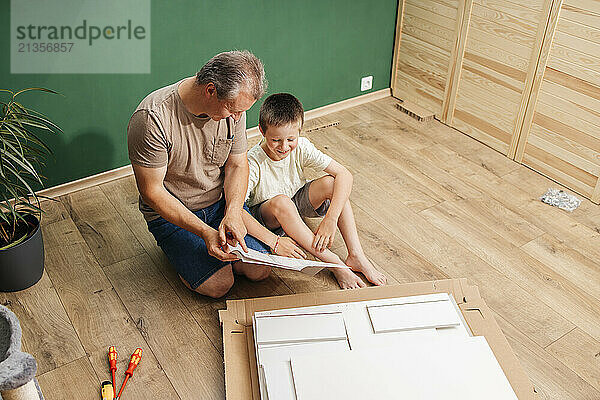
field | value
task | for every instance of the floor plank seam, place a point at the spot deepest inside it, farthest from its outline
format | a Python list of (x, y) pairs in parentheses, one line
[(532, 240), (287, 286), (103, 267), (433, 205), (87, 358), (206, 333), (556, 340)]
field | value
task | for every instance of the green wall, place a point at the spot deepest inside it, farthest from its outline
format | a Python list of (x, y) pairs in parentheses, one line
[(315, 49)]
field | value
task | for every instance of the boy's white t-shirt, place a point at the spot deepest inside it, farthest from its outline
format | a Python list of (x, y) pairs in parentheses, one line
[(269, 178)]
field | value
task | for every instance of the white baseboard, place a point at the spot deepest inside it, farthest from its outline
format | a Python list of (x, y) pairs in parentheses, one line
[(126, 170), (89, 181)]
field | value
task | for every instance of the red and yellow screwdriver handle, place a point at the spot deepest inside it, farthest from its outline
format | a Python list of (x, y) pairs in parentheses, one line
[(112, 358), (136, 357), (112, 362)]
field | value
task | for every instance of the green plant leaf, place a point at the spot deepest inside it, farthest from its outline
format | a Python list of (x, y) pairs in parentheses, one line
[(23, 163), (16, 242), (36, 121), (23, 181), (26, 135), (33, 147), (35, 88), (39, 119), (14, 131), (21, 153), (12, 210), (27, 122)]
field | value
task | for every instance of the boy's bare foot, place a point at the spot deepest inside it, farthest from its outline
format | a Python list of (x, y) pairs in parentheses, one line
[(347, 279), (363, 265)]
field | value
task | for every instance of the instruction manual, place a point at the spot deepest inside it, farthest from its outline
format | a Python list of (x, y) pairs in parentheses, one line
[(296, 264)]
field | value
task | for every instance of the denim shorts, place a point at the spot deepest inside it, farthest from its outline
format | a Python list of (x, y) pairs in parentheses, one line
[(187, 252)]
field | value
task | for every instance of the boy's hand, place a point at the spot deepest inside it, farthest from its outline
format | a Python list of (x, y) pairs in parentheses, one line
[(288, 248), (324, 234)]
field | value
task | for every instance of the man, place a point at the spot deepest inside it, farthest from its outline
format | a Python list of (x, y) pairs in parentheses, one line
[(187, 145)]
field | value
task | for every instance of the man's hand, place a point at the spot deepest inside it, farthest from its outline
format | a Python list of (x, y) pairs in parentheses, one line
[(286, 247), (152, 190), (324, 234), (232, 227), (214, 246)]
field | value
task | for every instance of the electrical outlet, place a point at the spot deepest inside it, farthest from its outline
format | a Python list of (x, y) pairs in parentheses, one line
[(366, 83)]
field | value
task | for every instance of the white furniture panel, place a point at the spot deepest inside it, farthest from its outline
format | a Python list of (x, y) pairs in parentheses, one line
[(408, 316), (300, 328), (279, 381), (464, 369)]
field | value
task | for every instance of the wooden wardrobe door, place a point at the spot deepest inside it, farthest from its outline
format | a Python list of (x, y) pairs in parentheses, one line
[(502, 48), (426, 34), (563, 139)]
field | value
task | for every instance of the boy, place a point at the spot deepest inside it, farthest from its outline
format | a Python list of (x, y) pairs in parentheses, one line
[(279, 195)]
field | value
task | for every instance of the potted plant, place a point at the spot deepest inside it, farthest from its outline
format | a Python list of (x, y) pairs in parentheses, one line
[(22, 153)]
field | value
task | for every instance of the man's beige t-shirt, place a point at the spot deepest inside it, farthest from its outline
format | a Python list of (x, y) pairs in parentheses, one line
[(194, 148)]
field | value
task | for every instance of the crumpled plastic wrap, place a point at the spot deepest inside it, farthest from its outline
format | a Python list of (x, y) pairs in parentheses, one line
[(561, 199)]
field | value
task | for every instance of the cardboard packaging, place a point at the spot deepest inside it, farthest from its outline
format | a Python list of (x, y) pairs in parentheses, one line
[(241, 372)]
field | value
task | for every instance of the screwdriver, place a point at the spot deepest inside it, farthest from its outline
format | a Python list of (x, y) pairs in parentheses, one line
[(136, 357), (112, 361)]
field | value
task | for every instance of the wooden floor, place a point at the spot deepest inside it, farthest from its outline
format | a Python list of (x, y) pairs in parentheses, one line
[(430, 203)]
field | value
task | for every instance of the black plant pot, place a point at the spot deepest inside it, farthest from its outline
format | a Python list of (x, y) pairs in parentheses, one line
[(21, 266)]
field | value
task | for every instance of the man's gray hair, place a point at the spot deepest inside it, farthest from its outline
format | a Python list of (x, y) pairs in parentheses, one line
[(232, 72)]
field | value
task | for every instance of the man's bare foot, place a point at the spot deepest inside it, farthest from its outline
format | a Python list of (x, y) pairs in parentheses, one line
[(347, 279), (363, 265)]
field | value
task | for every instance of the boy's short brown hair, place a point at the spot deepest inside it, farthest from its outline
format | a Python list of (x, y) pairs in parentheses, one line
[(280, 109)]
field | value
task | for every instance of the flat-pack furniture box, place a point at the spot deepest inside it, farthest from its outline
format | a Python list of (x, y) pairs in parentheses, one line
[(241, 372)]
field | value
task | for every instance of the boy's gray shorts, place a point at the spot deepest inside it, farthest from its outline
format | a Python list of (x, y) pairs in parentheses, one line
[(302, 203)]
